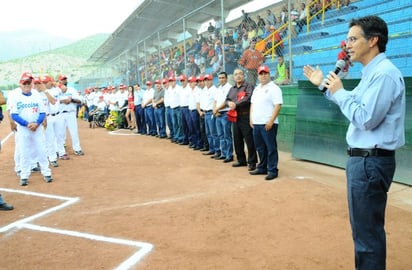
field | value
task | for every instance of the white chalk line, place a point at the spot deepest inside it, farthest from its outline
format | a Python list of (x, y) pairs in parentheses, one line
[(144, 248), (121, 132), (6, 138), (162, 201)]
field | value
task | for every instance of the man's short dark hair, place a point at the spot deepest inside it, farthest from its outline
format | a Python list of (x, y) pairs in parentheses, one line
[(373, 26), (223, 73)]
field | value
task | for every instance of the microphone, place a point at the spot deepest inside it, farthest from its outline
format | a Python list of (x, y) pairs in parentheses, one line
[(340, 64)]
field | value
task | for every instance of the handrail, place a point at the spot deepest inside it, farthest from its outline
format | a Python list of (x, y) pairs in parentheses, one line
[(322, 10), (274, 45)]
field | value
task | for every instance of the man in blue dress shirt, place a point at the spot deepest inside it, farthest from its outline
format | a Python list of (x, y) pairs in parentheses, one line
[(376, 111)]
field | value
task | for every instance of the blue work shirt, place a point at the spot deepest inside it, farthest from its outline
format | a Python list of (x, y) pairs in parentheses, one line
[(376, 107), (138, 97)]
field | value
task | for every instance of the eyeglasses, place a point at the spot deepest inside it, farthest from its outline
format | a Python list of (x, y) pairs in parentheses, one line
[(351, 40)]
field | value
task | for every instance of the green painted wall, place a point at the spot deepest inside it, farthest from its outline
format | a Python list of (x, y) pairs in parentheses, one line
[(320, 128)]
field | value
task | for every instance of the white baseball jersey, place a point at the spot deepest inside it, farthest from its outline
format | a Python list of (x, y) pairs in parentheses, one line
[(27, 106), (71, 107)]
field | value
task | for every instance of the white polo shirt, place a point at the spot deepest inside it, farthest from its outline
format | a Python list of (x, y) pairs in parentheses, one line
[(264, 100)]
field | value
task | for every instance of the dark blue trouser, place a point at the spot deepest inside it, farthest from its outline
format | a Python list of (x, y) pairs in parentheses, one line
[(177, 125), (161, 121), (140, 119), (169, 120), (267, 148), (368, 181), (224, 134), (150, 120), (194, 129), (185, 114)]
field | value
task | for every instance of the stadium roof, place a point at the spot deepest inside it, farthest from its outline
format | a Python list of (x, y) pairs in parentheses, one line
[(154, 16)]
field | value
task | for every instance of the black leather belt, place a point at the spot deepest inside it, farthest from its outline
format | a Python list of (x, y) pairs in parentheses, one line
[(64, 111), (208, 111), (184, 107), (242, 113), (53, 114), (174, 108), (375, 152)]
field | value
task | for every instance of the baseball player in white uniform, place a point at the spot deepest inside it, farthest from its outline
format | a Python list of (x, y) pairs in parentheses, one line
[(13, 127), (69, 98), (51, 96), (27, 110)]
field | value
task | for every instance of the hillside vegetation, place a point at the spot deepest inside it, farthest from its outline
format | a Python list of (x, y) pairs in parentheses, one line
[(70, 60)]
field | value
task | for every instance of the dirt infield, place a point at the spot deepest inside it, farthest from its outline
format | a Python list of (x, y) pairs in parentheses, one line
[(139, 202)]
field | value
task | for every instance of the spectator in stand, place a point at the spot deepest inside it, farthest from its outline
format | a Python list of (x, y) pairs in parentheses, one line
[(193, 68), (231, 59), (245, 42), (251, 60), (260, 22), (218, 26), (275, 39), (270, 18), (251, 33), (294, 17), (302, 17), (211, 29), (343, 55), (284, 15), (282, 72), (229, 39), (216, 64)]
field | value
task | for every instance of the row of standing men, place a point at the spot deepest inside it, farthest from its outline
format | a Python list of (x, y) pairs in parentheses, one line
[(216, 119), (40, 113)]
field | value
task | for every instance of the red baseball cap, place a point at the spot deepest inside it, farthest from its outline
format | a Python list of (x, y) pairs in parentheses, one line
[(209, 77), (182, 77), (148, 83), (46, 79), (165, 80), (200, 78), (172, 79), (26, 76), (62, 77), (36, 80), (122, 86), (157, 82), (263, 68), (192, 79)]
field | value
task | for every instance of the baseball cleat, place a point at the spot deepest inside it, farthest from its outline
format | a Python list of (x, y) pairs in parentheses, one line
[(23, 182), (79, 153), (48, 179), (54, 163)]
